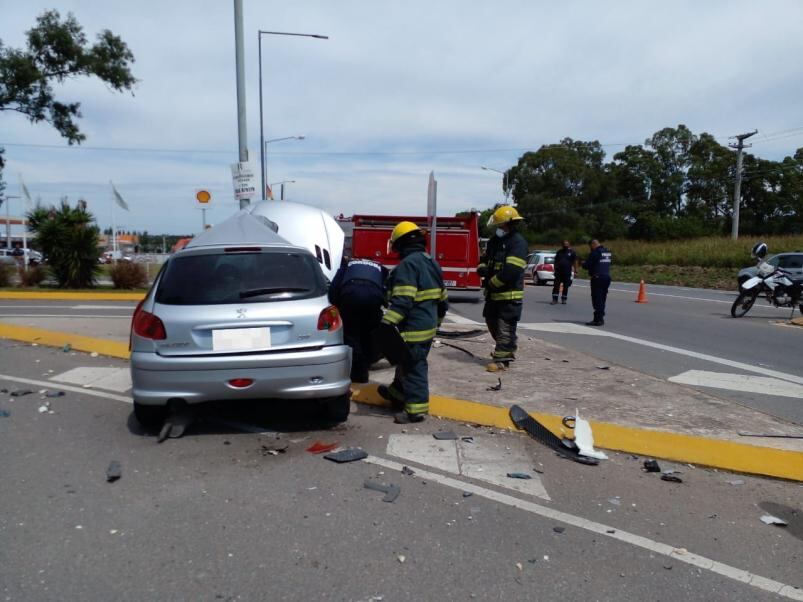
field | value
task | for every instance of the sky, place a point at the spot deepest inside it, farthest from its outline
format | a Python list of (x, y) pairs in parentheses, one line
[(398, 90)]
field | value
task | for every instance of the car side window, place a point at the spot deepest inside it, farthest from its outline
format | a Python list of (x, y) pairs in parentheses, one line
[(773, 261), (791, 261)]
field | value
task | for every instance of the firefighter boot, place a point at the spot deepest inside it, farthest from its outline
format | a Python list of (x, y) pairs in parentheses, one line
[(391, 394), (405, 418)]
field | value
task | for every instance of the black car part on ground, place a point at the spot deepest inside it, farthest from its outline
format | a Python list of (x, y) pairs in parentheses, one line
[(388, 340), (540, 433)]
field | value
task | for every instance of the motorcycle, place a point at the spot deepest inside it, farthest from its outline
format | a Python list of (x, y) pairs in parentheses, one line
[(772, 282)]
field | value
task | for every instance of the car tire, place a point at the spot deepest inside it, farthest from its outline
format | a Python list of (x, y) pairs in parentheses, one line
[(150, 416), (536, 280), (336, 409)]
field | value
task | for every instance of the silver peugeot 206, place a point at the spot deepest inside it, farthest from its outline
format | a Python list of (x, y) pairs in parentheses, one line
[(239, 313)]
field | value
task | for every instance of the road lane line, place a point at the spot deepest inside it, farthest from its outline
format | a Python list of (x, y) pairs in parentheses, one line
[(654, 294), (746, 383), (50, 385), (65, 316), (650, 545), (572, 328)]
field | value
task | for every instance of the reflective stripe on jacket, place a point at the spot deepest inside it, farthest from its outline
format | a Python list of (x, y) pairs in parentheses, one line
[(505, 258)]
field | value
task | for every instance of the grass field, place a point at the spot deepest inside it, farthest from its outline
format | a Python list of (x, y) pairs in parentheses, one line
[(710, 262)]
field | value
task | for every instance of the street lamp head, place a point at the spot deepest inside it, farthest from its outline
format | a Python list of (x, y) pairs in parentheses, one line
[(301, 137)]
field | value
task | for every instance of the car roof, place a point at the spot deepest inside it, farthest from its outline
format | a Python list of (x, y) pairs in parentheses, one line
[(241, 229)]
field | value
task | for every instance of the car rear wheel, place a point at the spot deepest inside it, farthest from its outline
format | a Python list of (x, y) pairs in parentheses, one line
[(336, 409), (150, 416)]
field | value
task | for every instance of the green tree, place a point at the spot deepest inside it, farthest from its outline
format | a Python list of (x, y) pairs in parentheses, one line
[(69, 239), (57, 50)]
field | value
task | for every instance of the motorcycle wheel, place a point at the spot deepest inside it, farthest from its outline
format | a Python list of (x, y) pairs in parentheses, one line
[(743, 303)]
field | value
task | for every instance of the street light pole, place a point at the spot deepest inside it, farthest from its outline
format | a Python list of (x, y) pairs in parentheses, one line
[(239, 54), (262, 141), (504, 180), (8, 218), (282, 183), (264, 157)]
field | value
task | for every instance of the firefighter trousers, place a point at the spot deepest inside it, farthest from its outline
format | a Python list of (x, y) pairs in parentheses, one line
[(411, 382), (502, 318)]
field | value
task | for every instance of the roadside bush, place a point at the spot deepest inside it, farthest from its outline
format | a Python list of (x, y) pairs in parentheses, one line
[(33, 276), (126, 274), (5, 275)]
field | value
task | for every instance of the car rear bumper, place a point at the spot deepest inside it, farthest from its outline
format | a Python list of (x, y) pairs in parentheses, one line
[(308, 374)]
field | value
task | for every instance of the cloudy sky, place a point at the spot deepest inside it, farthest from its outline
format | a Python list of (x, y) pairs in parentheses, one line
[(399, 89)]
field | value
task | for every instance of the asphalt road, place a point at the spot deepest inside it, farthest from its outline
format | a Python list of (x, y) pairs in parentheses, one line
[(216, 516), (685, 319)]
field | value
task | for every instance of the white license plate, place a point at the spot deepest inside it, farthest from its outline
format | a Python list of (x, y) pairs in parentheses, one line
[(450, 283), (240, 339)]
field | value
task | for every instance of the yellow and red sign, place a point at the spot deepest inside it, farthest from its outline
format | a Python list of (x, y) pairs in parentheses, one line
[(204, 197)]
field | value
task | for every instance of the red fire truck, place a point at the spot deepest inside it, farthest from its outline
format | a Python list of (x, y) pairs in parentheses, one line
[(456, 246)]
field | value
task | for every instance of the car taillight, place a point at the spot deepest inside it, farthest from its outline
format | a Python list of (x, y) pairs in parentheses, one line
[(545, 267), (147, 326), (241, 383), (329, 319)]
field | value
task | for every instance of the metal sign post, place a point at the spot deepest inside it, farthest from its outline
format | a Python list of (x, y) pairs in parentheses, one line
[(432, 214), (204, 198)]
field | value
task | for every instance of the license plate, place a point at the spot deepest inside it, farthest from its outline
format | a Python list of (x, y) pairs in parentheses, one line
[(450, 283), (240, 339)]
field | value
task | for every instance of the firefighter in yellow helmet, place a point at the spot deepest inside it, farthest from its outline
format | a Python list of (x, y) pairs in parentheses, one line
[(502, 270), (417, 303)]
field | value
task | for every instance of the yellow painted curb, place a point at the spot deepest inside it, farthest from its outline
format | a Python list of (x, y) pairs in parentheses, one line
[(726, 455), (60, 339), (66, 296)]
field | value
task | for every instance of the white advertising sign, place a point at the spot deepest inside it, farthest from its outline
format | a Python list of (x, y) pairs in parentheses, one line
[(244, 180)]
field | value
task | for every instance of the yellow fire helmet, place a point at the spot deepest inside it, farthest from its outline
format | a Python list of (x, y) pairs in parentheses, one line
[(503, 215), (401, 229)]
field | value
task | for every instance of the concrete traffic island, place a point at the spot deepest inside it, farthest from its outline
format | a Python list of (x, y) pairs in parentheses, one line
[(629, 411)]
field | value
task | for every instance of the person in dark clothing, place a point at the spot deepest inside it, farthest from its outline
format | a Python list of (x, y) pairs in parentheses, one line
[(417, 304), (358, 292), (565, 261), (502, 269), (598, 264)]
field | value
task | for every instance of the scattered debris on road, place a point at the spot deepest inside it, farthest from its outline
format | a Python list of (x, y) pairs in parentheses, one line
[(651, 466), (445, 436), (275, 449), (671, 478), (769, 519), (401, 558), (55, 394), (319, 448), (114, 471), (467, 494), (519, 475), (615, 501), (407, 471), (468, 439), (67, 348), (20, 392), (4, 413), (94, 354), (736, 482), (558, 529), (391, 491), (603, 367), (496, 387), (540, 433), (583, 437), (44, 408), (351, 454)]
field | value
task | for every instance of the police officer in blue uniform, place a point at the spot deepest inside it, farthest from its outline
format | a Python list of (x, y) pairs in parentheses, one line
[(598, 264), (358, 291)]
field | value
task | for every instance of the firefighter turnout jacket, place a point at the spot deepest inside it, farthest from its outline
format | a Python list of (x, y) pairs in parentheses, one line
[(502, 267), (417, 299)]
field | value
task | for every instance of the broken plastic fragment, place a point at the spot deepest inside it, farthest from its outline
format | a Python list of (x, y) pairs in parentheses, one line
[(651, 466), (350, 454), (407, 471), (67, 348), (736, 482), (671, 478), (519, 475), (558, 529), (319, 448), (401, 558), (20, 392), (4, 413), (768, 519), (114, 471), (391, 491), (445, 436), (54, 394), (603, 367), (467, 494), (585, 439), (44, 408)]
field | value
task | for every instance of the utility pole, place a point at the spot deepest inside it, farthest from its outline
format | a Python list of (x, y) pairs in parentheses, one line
[(239, 54), (737, 188)]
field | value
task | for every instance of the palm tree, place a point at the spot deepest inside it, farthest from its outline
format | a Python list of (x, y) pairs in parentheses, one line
[(69, 240)]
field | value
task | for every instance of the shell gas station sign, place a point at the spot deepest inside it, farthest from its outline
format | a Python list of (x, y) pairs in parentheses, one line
[(203, 197)]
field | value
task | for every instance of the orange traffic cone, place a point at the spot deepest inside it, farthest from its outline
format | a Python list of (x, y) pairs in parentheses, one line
[(642, 293)]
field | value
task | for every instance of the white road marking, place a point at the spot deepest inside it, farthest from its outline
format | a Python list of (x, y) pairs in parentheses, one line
[(650, 545), (111, 379), (119, 306), (571, 328), (484, 460), (747, 383), (46, 384), (458, 319)]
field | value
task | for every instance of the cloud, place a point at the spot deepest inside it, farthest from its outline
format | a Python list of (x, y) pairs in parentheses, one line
[(410, 78)]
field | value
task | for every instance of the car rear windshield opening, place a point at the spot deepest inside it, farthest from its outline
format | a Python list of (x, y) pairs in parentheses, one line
[(240, 278)]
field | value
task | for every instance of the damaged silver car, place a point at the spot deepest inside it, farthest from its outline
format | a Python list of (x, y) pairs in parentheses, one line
[(239, 314)]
